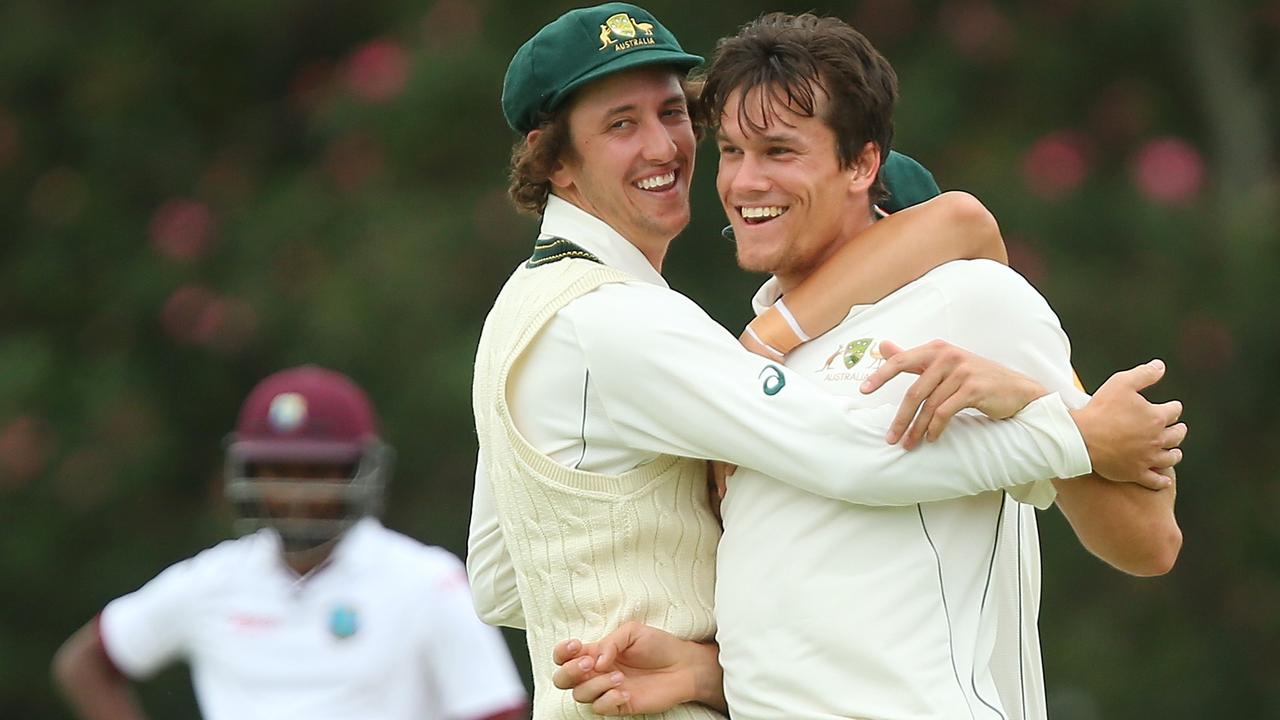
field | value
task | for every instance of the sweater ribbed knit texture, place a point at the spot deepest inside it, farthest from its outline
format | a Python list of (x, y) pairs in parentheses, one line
[(590, 551)]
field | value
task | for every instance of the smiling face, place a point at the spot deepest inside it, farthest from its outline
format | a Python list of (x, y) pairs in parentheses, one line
[(780, 181), (632, 157)]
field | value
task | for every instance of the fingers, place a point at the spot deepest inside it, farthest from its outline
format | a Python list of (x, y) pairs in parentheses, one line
[(1170, 411), (1154, 480), (566, 650), (945, 412), (1142, 376), (919, 391), (597, 688), (888, 349), (945, 390), (913, 360), (613, 644), (613, 703), (574, 672), (1167, 458), (1173, 435)]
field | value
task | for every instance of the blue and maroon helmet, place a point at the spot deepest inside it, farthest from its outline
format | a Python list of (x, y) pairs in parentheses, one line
[(305, 458)]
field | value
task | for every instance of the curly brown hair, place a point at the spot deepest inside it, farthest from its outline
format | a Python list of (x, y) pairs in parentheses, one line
[(790, 59), (533, 163)]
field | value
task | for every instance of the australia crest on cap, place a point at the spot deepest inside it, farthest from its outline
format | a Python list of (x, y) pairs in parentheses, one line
[(625, 32), (287, 412)]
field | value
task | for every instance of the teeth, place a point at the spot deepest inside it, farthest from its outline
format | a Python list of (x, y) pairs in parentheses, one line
[(657, 182), (771, 211)]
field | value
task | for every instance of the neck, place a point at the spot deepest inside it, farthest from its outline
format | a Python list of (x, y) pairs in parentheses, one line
[(653, 249), (856, 223), (302, 562), (654, 253)]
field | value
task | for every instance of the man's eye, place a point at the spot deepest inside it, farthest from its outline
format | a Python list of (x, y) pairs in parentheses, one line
[(729, 150), (779, 151), (675, 113), (620, 124)]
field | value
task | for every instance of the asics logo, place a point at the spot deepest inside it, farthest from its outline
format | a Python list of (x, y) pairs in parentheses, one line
[(774, 380)]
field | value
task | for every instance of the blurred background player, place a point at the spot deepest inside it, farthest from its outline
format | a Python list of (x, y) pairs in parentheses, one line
[(317, 610)]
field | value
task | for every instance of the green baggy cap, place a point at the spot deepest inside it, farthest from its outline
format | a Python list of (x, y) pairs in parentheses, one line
[(578, 47), (908, 182)]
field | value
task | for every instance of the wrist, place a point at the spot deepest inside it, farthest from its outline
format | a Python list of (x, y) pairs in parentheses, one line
[(1085, 424), (707, 676), (777, 329)]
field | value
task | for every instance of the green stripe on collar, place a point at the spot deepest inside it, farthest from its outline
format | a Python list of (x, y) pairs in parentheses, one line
[(552, 250)]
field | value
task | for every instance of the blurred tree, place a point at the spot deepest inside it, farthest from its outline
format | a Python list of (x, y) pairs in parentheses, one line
[(193, 196)]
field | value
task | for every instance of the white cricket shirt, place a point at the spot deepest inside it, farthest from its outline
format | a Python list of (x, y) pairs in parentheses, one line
[(829, 609), (634, 370), (384, 630)]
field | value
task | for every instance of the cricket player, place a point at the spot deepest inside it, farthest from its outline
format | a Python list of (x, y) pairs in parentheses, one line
[(828, 609), (599, 391), (320, 611)]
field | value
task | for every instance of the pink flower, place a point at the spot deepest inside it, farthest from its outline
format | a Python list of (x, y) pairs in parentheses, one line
[(977, 28), (188, 313), (182, 230), (1056, 164), (24, 448), (1168, 171), (377, 71), (195, 315), (452, 24)]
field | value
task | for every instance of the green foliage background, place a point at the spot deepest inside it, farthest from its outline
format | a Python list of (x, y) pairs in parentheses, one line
[(193, 195)]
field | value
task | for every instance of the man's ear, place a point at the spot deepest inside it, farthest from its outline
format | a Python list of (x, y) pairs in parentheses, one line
[(866, 167), (560, 176)]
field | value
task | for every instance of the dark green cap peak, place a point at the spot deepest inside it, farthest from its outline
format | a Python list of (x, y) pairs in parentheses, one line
[(578, 47)]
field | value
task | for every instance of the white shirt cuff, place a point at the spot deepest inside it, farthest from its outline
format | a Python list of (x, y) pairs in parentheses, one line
[(1057, 436)]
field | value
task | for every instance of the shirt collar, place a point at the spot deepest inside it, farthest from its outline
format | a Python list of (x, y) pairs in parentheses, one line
[(348, 549), (563, 219), (351, 545)]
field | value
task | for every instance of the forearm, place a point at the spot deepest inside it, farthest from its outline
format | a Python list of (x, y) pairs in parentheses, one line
[(706, 397), (883, 258), (90, 683), (1129, 527)]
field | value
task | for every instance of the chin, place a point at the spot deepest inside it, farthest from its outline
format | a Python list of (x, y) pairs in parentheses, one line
[(753, 262)]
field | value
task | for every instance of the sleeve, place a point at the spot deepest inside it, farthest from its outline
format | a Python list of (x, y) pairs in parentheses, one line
[(674, 381), (994, 312), (148, 629), (471, 668), (489, 568)]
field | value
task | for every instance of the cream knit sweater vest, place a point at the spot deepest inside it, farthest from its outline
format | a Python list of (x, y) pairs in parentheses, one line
[(590, 551)]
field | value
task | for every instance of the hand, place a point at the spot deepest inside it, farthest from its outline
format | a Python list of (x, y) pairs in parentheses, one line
[(638, 669), (1129, 439), (951, 379)]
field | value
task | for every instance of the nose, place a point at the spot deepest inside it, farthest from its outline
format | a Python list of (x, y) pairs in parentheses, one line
[(748, 176), (659, 147)]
